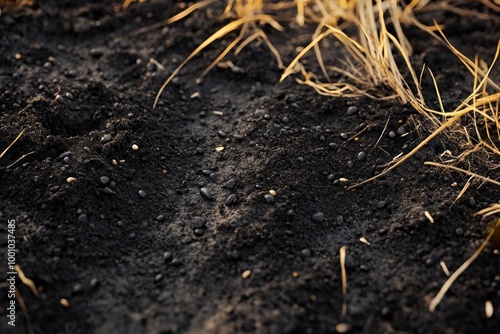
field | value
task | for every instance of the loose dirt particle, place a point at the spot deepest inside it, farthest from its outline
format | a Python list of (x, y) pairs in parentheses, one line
[(246, 274)]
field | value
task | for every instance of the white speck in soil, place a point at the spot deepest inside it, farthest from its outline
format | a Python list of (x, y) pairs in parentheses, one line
[(106, 138), (142, 193)]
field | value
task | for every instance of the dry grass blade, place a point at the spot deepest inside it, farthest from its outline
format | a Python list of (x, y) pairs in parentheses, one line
[(464, 189), (487, 179), (446, 286), (175, 18), (344, 279), (248, 14), (24, 309), (472, 103), (26, 281), (491, 210), (13, 142)]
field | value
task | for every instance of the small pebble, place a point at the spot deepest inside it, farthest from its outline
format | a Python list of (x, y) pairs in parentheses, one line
[(231, 199), (361, 156), (199, 222), (459, 231), (272, 192), (301, 159), (344, 136), (352, 110), (381, 204), (142, 193), (350, 164), (82, 218), (392, 134), (222, 134), (106, 138), (246, 274), (343, 328), (306, 252), (108, 190), (94, 282), (332, 146), (59, 98), (158, 277), (198, 232), (167, 256), (231, 183), (318, 217), (402, 130), (160, 218), (104, 179), (176, 262), (135, 147), (64, 303), (269, 198), (205, 192)]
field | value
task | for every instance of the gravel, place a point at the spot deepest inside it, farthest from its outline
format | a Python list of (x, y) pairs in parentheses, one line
[(231, 184), (361, 156), (205, 192), (269, 198), (352, 110), (231, 199)]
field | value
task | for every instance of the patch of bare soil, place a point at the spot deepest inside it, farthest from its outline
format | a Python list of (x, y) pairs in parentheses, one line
[(133, 244)]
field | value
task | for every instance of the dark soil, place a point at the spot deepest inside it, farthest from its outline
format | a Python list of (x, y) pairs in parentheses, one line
[(171, 260)]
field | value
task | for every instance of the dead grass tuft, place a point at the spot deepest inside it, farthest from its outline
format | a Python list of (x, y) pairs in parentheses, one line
[(14, 6), (247, 16)]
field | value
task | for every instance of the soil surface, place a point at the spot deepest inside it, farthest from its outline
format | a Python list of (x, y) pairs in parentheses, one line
[(113, 226)]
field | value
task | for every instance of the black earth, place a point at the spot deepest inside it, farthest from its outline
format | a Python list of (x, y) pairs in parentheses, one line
[(224, 209)]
